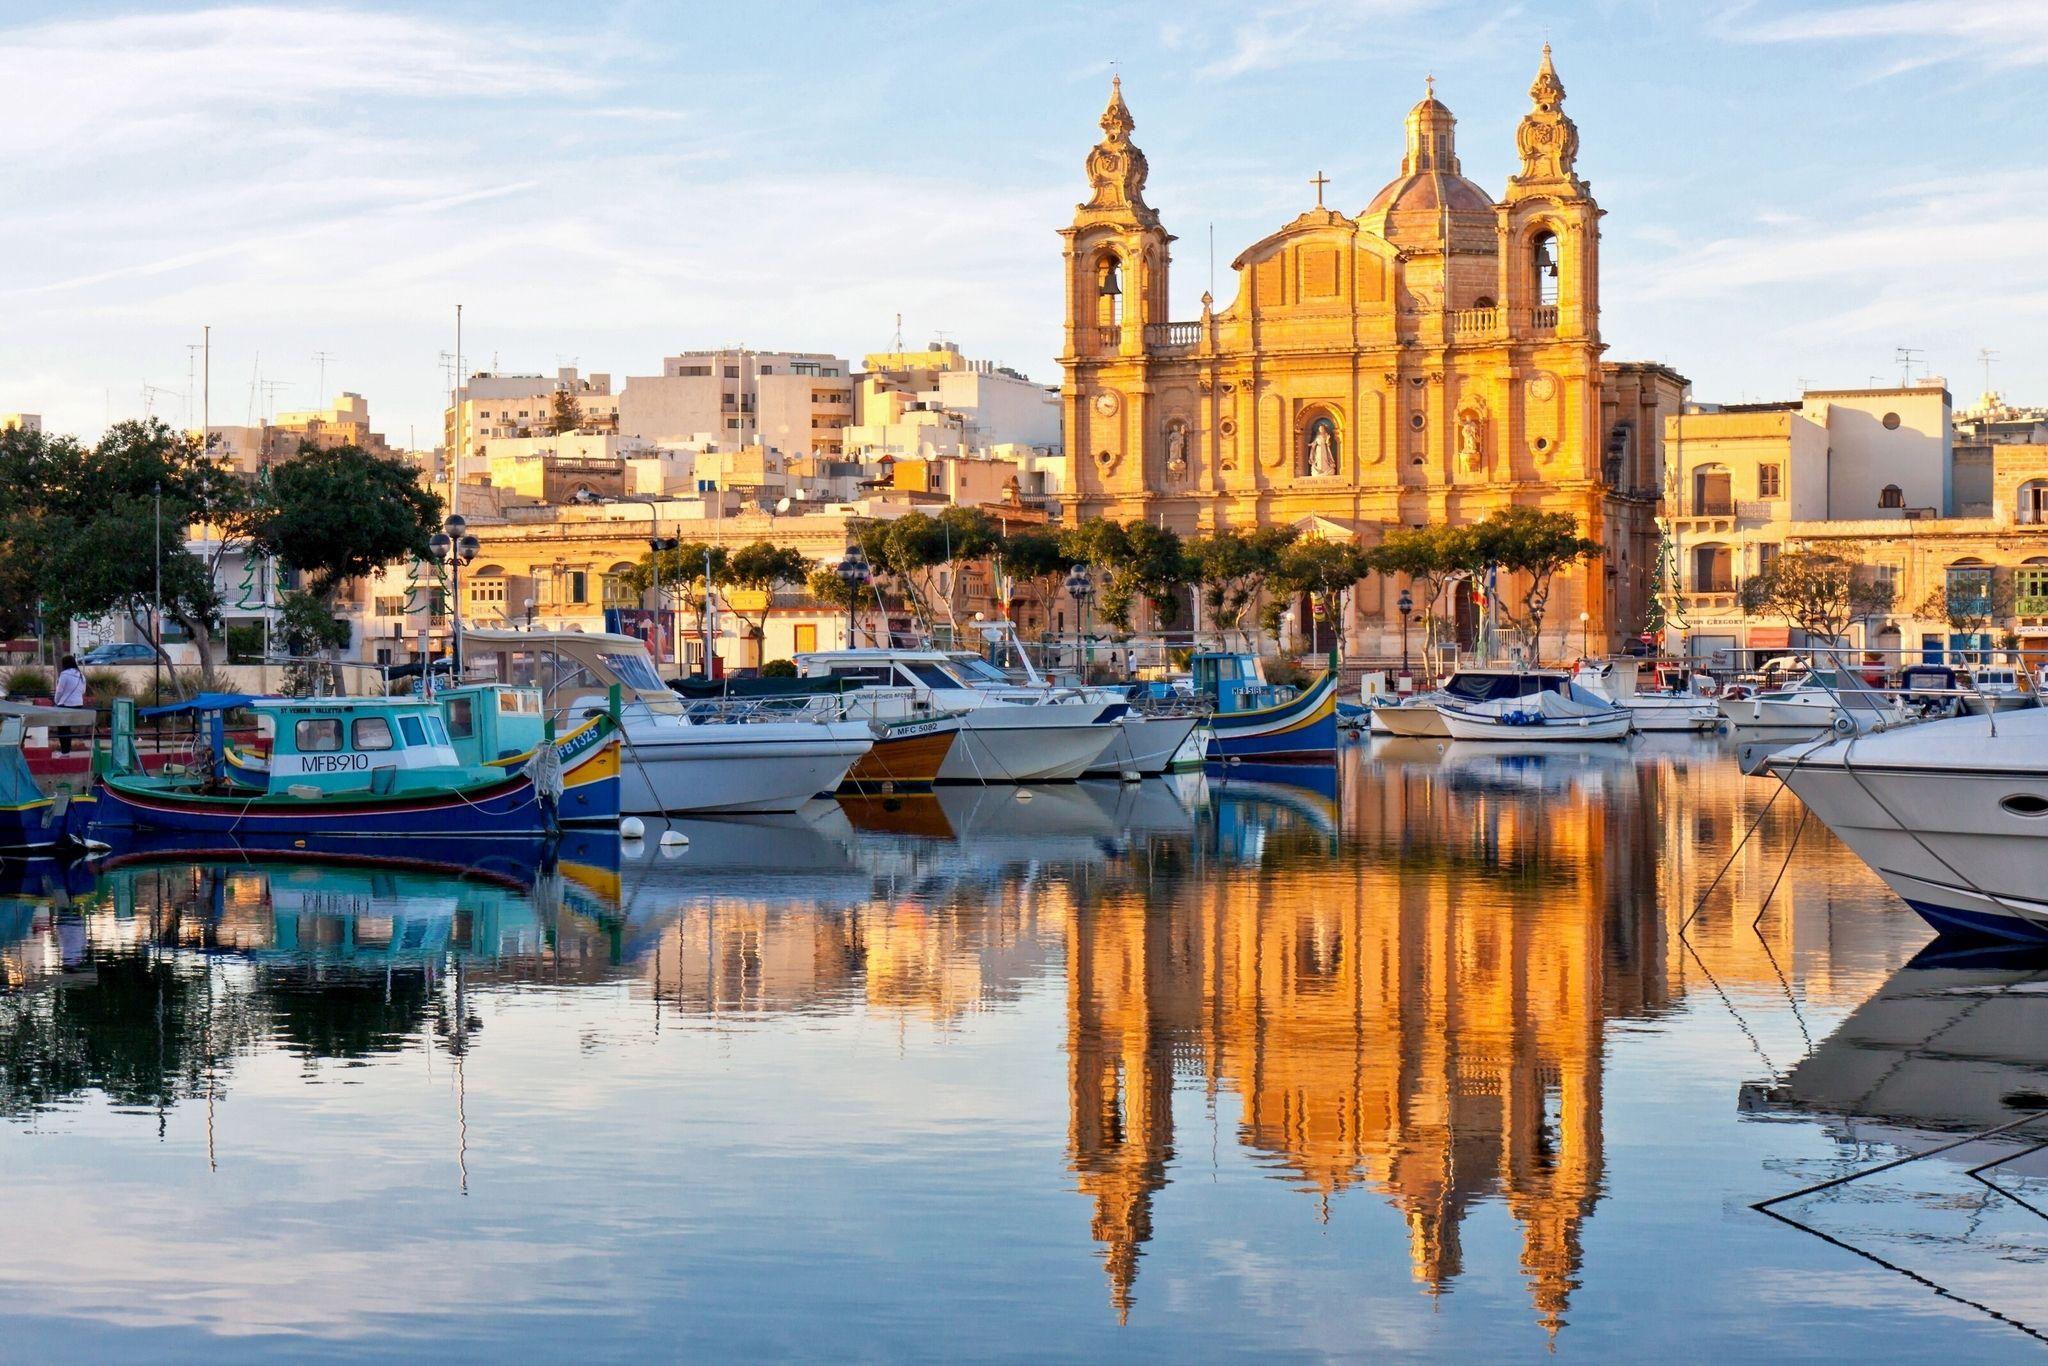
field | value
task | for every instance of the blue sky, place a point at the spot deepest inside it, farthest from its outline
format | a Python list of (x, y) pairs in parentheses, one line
[(1793, 190)]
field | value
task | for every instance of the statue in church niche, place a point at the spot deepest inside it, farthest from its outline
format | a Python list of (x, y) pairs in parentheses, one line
[(1471, 428), (1176, 449), (1321, 451)]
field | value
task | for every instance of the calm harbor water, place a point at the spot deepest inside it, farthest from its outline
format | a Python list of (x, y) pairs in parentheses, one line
[(1414, 1061)]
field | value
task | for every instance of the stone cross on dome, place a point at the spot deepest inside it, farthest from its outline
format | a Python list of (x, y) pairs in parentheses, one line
[(1319, 181)]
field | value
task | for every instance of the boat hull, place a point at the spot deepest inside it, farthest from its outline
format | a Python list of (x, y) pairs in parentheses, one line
[(506, 809), (1669, 715), (1952, 843), (906, 757), (737, 766), (1412, 721), (1052, 743), (1303, 728), (1146, 745)]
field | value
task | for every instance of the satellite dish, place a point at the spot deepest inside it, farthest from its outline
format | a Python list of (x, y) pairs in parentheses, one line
[(782, 505)]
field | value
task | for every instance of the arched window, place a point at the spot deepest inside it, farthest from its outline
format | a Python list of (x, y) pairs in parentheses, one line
[(1891, 496), (616, 591), (1713, 569), (1543, 259), (1713, 491), (2032, 502), (1109, 289)]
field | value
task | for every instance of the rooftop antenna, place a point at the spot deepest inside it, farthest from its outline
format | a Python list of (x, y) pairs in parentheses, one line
[(1985, 355), (320, 395), (898, 347), (1906, 355), (149, 395), (271, 389)]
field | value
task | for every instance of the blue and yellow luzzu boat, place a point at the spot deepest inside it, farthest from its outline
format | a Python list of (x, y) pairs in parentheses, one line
[(1254, 719), (345, 774)]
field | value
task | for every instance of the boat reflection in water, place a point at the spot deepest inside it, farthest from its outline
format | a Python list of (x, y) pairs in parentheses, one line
[(1391, 998)]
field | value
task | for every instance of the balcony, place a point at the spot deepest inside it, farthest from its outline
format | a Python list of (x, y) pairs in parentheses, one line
[(1545, 318), (1172, 336), (2030, 605), (1479, 322), (1712, 507), (1099, 341)]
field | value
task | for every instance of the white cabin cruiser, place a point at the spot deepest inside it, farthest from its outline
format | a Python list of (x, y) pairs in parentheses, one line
[(673, 761), (1662, 710), (1418, 718), (1016, 734), (1826, 701), (1952, 814), (1150, 737)]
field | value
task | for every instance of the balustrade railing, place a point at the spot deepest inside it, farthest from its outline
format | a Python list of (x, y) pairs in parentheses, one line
[(1474, 321), (1546, 318), (1172, 336)]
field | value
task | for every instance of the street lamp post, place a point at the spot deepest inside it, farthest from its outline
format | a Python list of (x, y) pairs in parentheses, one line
[(454, 546), (1404, 605), (1585, 635), (853, 572), (1079, 588)]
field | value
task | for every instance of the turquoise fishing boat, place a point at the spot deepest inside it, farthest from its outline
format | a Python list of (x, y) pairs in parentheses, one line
[(344, 775), (30, 821)]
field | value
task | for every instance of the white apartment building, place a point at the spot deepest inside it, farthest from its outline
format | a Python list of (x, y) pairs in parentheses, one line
[(935, 403), (21, 422), (493, 406), (790, 402)]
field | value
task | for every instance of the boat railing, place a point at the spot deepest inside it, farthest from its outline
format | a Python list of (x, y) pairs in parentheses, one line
[(761, 710)]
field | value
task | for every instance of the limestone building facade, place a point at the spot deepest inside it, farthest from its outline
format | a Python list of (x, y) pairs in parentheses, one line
[(1429, 359)]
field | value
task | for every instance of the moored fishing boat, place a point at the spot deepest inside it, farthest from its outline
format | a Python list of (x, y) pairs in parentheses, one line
[(1254, 719), (31, 821), (344, 772), (1416, 718)]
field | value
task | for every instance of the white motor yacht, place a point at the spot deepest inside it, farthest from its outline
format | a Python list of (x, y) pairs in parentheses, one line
[(674, 760), (1418, 718), (1998, 687), (1827, 701), (1149, 738), (1015, 735), (1952, 814)]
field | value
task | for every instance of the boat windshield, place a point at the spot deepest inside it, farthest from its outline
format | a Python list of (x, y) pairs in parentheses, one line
[(634, 670), (977, 669)]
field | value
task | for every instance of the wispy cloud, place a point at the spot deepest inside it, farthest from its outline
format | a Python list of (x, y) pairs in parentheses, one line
[(1998, 33), (86, 87), (1298, 32)]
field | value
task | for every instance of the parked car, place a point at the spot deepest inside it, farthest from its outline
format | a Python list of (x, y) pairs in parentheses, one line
[(111, 653)]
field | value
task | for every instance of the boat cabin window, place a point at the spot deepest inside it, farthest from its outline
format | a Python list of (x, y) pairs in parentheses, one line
[(436, 731), (372, 732), (318, 735), (873, 675), (462, 716), (519, 702), (412, 730), (635, 671)]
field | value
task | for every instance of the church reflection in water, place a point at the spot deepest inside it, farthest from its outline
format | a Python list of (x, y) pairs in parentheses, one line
[(1398, 991), (1428, 1028)]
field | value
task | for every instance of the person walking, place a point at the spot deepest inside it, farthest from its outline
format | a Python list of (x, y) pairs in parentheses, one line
[(70, 692)]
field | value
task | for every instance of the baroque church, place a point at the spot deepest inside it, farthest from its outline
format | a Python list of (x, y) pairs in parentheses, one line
[(1428, 360)]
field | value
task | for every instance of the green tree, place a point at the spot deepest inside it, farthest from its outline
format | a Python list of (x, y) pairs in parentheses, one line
[(1233, 569), (1032, 554), (1821, 592), (1325, 571), (764, 567), (1535, 545), (307, 630), (565, 414), (1418, 555), (343, 513)]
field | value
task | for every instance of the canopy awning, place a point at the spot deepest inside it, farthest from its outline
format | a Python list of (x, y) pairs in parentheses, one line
[(1770, 638), (34, 714), (202, 702)]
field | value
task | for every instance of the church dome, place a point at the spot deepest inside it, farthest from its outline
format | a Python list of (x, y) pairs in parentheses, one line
[(1430, 182)]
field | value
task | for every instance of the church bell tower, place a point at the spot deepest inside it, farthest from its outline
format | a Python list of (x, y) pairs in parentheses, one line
[(1117, 257)]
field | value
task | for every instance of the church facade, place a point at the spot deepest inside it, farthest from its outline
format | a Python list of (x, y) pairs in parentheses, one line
[(1431, 359)]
